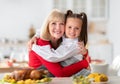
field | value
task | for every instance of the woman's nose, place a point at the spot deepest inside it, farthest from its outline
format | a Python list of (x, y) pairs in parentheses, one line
[(57, 26)]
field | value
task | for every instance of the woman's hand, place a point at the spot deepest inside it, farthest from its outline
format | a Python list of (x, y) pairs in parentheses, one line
[(82, 48), (31, 42)]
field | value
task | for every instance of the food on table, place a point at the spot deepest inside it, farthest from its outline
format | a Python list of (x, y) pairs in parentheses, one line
[(98, 77), (81, 80), (92, 78), (27, 76)]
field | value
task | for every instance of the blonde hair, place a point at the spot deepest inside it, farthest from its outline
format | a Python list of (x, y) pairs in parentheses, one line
[(55, 15)]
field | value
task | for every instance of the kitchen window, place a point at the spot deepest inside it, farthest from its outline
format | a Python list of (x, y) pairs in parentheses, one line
[(95, 9), (60, 4), (99, 9)]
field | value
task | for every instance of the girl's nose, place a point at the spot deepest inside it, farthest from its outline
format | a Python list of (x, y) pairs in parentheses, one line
[(72, 30)]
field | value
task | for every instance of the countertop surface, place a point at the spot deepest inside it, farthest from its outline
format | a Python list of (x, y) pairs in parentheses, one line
[(68, 80)]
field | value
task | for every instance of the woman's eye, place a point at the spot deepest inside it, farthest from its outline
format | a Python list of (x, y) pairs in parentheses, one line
[(61, 23), (53, 23)]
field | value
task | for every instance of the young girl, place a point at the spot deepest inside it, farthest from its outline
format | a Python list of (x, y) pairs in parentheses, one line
[(67, 53)]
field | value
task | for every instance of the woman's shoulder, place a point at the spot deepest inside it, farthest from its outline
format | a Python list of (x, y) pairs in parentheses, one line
[(41, 42)]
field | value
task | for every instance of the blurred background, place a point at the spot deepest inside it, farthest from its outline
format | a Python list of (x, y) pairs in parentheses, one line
[(20, 19)]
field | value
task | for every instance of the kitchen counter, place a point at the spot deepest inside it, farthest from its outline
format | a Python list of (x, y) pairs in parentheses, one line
[(16, 66), (68, 80)]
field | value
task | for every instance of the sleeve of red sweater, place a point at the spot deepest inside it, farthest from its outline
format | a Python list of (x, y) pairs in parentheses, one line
[(57, 70), (87, 57)]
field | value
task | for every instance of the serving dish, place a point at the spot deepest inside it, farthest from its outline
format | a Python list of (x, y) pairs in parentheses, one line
[(45, 80), (26, 76), (99, 82), (2, 82)]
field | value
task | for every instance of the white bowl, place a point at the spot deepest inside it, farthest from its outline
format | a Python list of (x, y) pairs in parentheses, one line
[(99, 67)]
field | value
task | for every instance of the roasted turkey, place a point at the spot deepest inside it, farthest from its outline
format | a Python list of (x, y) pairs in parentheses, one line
[(28, 74)]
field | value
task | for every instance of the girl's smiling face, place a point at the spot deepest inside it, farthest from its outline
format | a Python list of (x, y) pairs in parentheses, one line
[(73, 27)]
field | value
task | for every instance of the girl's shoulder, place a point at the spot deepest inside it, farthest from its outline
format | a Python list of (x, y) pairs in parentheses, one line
[(42, 42)]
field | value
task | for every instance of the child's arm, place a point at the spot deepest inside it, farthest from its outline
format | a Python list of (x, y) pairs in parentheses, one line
[(33, 40), (52, 55)]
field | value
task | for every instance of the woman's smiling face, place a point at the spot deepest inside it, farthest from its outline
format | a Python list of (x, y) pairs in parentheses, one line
[(73, 27), (56, 29)]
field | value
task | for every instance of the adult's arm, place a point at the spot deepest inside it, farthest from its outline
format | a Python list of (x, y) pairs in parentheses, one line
[(57, 70), (33, 62), (87, 57)]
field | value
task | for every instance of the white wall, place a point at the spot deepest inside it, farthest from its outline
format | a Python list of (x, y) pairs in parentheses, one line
[(114, 26), (16, 16)]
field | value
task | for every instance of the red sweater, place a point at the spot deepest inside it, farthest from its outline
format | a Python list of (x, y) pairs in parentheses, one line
[(55, 68)]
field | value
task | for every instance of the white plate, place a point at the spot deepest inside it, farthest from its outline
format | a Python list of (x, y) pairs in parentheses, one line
[(1, 82), (99, 82), (44, 83), (38, 83)]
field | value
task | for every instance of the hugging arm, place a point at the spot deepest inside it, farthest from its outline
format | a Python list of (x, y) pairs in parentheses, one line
[(84, 51), (51, 55), (57, 70), (33, 40)]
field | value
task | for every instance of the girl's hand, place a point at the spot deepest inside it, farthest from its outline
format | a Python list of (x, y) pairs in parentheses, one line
[(31, 42), (82, 48)]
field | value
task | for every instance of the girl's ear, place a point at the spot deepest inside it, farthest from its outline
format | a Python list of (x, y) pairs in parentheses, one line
[(69, 12)]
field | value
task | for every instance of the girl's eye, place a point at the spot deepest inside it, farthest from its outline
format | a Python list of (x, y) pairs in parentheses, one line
[(77, 28), (69, 27)]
